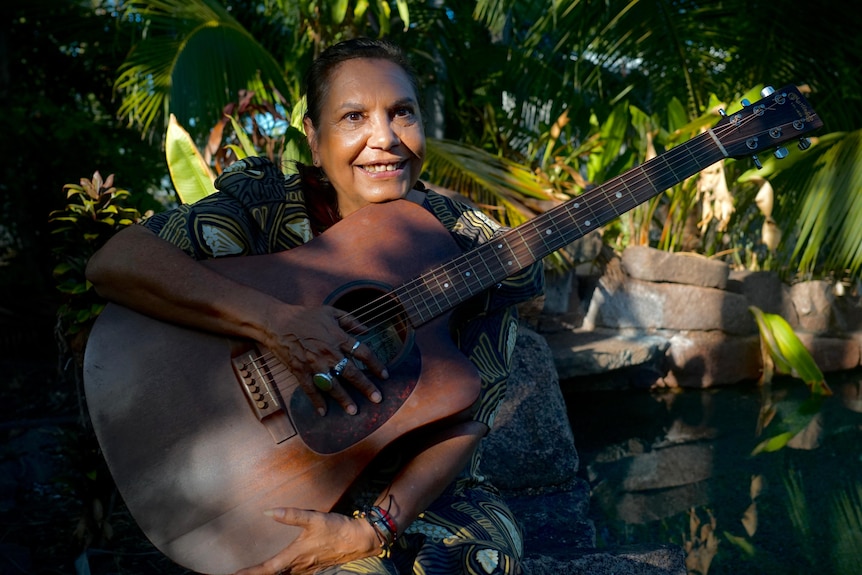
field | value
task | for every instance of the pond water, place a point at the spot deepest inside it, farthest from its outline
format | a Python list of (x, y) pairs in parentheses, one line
[(677, 466)]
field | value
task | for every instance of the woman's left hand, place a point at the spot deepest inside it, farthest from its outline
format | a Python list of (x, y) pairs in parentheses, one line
[(326, 539)]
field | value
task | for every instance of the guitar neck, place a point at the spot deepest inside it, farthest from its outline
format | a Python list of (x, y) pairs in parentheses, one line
[(446, 286)]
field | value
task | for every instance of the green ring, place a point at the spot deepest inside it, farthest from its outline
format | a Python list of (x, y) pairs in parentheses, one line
[(323, 381)]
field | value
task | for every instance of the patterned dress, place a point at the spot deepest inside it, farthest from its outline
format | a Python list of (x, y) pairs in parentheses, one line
[(469, 529)]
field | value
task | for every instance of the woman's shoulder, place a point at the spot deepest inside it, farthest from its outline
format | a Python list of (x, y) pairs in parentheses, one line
[(257, 180)]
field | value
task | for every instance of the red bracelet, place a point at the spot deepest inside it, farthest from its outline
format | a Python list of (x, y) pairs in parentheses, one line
[(383, 524)]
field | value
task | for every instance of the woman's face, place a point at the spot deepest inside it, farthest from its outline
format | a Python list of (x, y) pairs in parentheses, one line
[(370, 141)]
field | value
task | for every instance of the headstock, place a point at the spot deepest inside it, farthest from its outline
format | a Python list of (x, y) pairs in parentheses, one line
[(778, 117)]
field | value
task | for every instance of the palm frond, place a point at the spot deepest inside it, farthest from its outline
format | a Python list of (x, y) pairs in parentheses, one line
[(827, 206), (507, 191), (192, 60)]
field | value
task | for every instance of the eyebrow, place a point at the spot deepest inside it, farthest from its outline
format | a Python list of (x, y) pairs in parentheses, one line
[(399, 102)]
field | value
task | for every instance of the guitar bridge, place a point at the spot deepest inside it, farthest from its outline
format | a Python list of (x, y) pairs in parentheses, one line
[(259, 386)]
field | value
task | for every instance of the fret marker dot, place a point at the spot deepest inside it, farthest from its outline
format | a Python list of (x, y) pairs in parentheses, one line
[(445, 285), (577, 205), (548, 232), (508, 263), (619, 195), (467, 274), (587, 222)]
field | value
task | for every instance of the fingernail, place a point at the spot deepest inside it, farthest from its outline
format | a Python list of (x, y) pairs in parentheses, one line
[(351, 409), (376, 397), (274, 512), (321, 411), (385, 374)]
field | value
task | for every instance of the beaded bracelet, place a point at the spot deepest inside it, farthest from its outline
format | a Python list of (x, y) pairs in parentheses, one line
[(383, 524)]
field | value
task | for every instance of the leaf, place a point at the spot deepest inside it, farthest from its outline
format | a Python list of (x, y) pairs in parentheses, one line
[(788, 352), (403, 12), (339, 11), (191, 176), (247, 146)]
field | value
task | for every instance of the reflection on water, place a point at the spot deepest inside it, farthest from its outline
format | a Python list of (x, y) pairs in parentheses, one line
[(676, 466)]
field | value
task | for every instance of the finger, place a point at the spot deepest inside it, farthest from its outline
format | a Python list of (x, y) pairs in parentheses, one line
[(358, 380), (366, 355), (314, 394), (290, 515)]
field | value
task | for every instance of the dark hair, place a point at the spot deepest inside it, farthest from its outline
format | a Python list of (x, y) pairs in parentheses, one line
[(320, 196)]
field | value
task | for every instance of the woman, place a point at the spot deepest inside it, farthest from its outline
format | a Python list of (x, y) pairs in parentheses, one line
[(420, 507)]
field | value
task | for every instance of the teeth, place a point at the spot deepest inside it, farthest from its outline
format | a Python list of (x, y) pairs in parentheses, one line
[(376, 168)]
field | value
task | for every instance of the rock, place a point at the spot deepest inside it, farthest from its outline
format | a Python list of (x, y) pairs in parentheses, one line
[(579, 353), (633, 560), (701, 359), (555, 523), (832, 353), (654, 306), (532, 426), (813, 301), (652, 265), (766, 291)]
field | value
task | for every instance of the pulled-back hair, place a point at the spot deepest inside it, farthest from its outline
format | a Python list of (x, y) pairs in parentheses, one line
[(320, 196)]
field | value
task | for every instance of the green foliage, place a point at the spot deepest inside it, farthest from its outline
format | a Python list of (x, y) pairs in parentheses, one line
[(95, 211), (782, 352)]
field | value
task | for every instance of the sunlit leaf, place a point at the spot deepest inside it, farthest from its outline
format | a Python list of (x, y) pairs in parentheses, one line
[(192, 177), (247, 147), (788, 352)]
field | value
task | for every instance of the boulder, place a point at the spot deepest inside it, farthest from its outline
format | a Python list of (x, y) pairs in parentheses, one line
[(531, 445), (813, 301), (637, 304), (702, 359), (652, 265)]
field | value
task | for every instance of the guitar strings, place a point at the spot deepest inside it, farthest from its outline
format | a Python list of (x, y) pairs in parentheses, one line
[(380, 311)]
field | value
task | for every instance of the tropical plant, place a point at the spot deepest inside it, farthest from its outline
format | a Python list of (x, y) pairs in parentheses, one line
[(95, 211), (782, 352)]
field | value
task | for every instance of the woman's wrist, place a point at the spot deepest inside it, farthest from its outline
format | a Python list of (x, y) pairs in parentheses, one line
[(382, 524)]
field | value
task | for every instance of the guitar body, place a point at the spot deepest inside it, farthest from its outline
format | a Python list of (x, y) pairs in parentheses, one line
[(197, 465)]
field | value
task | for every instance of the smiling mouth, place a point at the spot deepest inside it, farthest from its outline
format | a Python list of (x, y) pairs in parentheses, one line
[(382, 168)]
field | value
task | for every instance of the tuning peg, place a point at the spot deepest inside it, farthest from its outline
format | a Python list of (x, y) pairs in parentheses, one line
[(780, 153), (756, 160), (804, 143), (745, 103), (767, 91)]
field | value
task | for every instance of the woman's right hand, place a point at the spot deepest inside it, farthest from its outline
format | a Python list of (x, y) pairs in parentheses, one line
[(313, 340)]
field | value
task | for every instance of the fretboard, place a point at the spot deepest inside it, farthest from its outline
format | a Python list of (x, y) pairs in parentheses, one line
[(442, 288)]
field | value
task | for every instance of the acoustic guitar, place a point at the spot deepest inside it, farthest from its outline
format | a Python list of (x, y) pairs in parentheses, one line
[(203, 433)]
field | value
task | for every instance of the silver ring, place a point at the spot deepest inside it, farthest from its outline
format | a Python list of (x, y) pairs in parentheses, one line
[(355, 347), (323, 381), (339, 367)]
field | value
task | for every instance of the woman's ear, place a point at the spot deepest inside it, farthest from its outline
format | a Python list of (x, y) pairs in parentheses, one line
[(311, 136)]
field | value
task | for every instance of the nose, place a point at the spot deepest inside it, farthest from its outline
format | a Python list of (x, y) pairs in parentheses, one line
[(383, 133)]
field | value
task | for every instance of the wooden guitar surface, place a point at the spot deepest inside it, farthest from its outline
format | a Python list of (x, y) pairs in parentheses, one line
[(190, 456)]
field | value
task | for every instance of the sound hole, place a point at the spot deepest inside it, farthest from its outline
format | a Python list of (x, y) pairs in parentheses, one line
[(390, 336)]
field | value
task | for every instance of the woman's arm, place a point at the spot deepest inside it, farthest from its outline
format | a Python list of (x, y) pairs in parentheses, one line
[(331, 539), (141, 271)]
